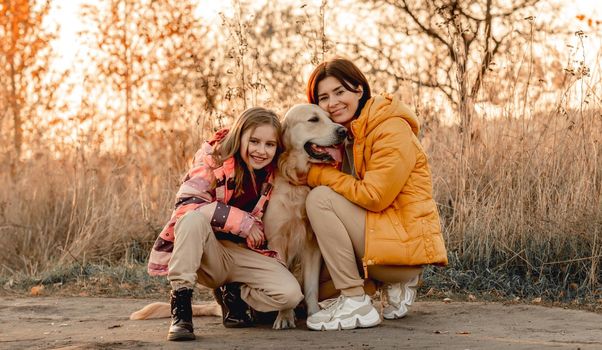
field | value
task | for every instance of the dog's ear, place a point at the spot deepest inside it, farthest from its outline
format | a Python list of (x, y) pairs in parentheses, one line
[(288, 169), (286, 137)]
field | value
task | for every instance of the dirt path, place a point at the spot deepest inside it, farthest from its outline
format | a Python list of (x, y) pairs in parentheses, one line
[(102, 323)]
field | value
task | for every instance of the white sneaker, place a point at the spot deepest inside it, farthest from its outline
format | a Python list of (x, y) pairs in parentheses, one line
[(399, 297), (344, 313)]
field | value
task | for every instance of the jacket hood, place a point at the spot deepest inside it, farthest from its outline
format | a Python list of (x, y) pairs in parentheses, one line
[(380, 108)]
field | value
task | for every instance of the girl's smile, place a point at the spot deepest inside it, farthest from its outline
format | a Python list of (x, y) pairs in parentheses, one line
[(258, 146)]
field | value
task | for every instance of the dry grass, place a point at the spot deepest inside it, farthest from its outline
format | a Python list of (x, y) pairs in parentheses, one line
[(522, 210), (82, 210), (525, 204)]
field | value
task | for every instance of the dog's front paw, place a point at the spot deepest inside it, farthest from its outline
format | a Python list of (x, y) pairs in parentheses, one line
[(285, 319)]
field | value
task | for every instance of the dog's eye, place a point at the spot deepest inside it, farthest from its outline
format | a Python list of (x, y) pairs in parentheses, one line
[(313, 119)]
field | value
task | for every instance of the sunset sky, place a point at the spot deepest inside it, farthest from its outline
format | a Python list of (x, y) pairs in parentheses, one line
[(68, 47), (66, 13)]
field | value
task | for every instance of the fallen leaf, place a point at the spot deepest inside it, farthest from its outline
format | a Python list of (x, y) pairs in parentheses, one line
[(440, 332), (447, 300), (463, 332), (536, 300), (37, 290), (114, 326)]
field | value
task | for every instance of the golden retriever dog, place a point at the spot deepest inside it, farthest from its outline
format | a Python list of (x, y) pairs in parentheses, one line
[(309, 137)]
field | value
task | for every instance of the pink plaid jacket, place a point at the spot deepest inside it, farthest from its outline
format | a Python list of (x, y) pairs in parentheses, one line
[(206, 183)]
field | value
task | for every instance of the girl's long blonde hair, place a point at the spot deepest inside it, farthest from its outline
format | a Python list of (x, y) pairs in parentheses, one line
[(230, 145)]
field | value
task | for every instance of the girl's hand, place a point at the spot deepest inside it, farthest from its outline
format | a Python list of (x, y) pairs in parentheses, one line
[(256, 237)]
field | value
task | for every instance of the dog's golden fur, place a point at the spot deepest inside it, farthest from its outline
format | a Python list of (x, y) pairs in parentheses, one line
[(309, 135)]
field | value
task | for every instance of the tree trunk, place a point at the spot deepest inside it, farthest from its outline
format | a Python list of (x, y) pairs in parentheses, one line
[(15, 108), (127, 78)]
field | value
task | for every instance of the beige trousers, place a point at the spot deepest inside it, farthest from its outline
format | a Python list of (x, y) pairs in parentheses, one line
[(339, 226), (198, 256)]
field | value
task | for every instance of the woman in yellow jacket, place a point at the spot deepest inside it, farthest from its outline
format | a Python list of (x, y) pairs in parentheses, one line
[(376, 209)]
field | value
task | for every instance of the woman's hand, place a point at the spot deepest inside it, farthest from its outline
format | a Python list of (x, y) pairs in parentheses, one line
[(256, 237), (314, 176)]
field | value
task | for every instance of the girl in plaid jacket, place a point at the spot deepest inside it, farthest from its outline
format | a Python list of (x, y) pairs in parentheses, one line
[(215, 233)]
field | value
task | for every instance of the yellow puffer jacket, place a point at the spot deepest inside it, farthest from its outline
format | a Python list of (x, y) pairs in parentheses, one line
[(394, 186)]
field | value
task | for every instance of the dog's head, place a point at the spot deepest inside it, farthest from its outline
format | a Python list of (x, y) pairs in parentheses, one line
[(309, 130)]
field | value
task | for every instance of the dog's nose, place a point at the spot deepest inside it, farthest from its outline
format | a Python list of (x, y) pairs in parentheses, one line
[(341, 132)]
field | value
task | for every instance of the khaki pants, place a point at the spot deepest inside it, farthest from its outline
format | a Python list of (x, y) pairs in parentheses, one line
[(339, 226), (199, 256)]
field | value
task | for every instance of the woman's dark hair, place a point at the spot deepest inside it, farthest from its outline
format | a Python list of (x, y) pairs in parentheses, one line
[(346, 72)]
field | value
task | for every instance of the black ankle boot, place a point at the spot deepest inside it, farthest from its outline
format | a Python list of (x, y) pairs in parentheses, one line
[(235, 312), (181, 315)]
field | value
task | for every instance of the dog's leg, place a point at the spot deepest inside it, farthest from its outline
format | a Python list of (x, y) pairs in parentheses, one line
[(285, 319), (311, 259)]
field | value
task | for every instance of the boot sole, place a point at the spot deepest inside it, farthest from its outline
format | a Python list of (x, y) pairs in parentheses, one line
[(180, 336), (238, 325)]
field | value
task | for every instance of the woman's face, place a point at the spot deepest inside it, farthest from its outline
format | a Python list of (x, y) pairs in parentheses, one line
[(258, 146), (338, 101)]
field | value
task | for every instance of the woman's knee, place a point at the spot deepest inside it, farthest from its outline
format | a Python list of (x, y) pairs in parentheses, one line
[(318, 197)]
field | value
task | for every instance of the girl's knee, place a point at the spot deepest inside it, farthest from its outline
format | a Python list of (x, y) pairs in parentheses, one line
[(193, 221), (290, 296), (287, 293), (192, 217)]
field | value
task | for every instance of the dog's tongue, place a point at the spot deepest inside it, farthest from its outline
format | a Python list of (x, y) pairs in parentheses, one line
[(334, 152)]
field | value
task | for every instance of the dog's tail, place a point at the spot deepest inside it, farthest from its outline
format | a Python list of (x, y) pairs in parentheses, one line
[(163, 310)]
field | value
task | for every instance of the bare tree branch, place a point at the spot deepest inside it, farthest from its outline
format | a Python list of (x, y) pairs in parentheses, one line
[(515, 8), (427, 30), (489, 55)]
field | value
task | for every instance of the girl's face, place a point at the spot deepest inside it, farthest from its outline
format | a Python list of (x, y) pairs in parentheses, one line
[(338, 101), (258, 146)]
